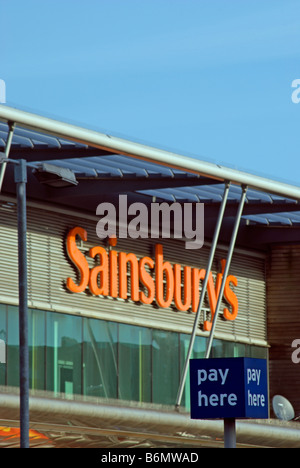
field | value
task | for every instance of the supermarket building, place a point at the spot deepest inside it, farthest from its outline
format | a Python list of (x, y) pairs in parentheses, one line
[(110, 320)]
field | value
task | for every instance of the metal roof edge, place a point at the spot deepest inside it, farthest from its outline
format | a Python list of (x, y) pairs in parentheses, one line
[(134, 416), (139, 151)]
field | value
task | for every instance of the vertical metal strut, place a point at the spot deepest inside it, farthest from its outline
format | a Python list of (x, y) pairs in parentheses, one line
[(228, 261), (203, 291), (21, 180)]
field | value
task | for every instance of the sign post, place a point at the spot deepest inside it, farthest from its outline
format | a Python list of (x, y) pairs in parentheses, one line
[(229, 389), (229, 433)]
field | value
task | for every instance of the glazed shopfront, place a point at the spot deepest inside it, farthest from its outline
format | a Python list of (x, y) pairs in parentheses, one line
[(110, 320), (114, 321)]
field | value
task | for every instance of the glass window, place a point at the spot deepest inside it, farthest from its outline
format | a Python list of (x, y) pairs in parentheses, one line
[(64, 339), (240, 350), (13, 346), (36, 340), (100, 358), (74, 355), (134, 363), (228, 349), (258, 352), (198, 352), (3, 342), (219, 348), (165, 367)]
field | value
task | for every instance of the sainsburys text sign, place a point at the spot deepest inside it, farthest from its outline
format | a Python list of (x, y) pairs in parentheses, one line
[(152, 280)]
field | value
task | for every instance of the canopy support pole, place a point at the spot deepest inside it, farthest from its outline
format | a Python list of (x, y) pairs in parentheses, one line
[(227, 266), (197, 318)]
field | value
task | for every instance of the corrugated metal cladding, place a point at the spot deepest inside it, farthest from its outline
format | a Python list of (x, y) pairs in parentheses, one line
[(49, 267), (284, 321)]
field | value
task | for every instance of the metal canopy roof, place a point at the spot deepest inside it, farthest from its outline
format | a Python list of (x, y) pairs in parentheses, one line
[(101, 172), (114, 145), (85, 422)]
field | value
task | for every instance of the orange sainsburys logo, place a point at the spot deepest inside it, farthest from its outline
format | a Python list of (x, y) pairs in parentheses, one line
[(161, 281)]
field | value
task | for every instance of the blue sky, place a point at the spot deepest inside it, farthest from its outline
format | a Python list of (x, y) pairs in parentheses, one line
[(206, 78)]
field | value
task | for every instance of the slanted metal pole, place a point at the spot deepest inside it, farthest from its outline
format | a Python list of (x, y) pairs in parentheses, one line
[(228, 262), (229, 423), (203, 291), (6, 152), (21, 180)]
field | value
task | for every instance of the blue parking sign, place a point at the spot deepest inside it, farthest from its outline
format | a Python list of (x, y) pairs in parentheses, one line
[(229, 388)]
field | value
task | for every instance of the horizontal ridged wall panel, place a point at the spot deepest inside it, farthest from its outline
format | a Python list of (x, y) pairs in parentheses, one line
[(283, 295), (49, 267)]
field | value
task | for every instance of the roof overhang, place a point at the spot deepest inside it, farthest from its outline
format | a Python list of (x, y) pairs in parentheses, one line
[(109, 166), (111, 424), (136, 150)]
